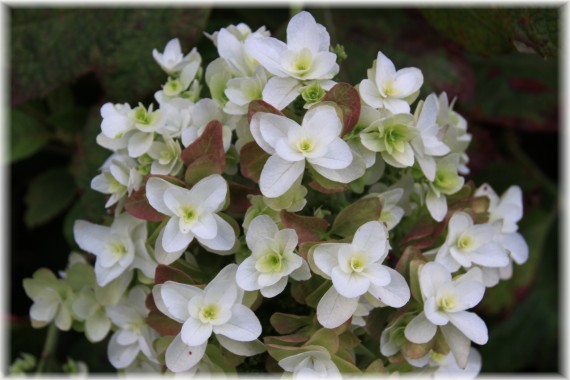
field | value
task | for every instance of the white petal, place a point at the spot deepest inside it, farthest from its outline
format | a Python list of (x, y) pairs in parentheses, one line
[(261, 226), (172, 299), (324, 66), (470, 292), (194, 332), (279, 175), (205, 227), (333, 309), (273, 290), (121, 356), (210, 192), (372, 239), (396, 105), (303, 32), (140, 143), (247, 275), (91, 237), (220, 292), (173, 240), (326, 256), (243, 325), (155, 189), (180, 357), (458, 343), (353, 171), (433, 314), (432, 277), (437, 206), (369, 93), (517, 247), (97, 326), (396, 293), (489, 255), (385, 69), (280, 92), (459, 222), (273, 128), (471, 325), (420, 329), (377, 274), (349, 284), (268, 52), (160, 253), (338, 155), (286, 152), (407, 81), (224, 240), (302, 273)]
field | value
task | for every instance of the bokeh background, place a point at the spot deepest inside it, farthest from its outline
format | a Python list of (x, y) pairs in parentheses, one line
[(502, 65)]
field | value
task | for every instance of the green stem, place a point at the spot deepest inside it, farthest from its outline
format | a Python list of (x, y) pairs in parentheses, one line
[(514, 148), (49, 347)]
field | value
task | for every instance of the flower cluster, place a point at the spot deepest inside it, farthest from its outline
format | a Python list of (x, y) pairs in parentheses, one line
[(286, 197)]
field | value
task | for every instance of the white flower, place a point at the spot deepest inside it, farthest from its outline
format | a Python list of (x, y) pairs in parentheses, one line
[(446, 182), (455, 134), (167, 158), (146, 122), (427, 143), (215, 309), (504, 214), (391, 212), (241, 91), (317, 141), (91, 306), (172, 61), (179, 86), (116, 121), (193, 213), (311, 364), (388, 88), (272, 259), (306, 56), (205, 111), (133, 335), (392, 136), (356, 269), (468, 244), (118, 248), (119, 177), (51, 298), (446, 367), (178, 114), (445, 303)]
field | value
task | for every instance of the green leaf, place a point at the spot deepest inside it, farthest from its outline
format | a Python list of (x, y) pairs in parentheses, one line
[(55, 46), (27, 135), (355, 215), (325, 338), (499, 30), (288, 323), (48, 195)]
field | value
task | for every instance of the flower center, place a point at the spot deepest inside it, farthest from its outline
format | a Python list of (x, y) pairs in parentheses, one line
[(389, 89), (305, 146), (269, 263), (357, 263), (165, 157), (188, 214), (447, 302), (465, 242), (209, 313)]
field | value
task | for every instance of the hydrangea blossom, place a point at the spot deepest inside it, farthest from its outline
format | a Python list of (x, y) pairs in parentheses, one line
[(388, 88), (355, 270), (215, 309), (119, 177), (193, 214), (272, 259), (172, 61), (305, 57), (311, 364), (446, 301), (317, 142)]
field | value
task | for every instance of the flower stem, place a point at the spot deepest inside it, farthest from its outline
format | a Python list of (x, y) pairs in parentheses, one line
[(49, 347)]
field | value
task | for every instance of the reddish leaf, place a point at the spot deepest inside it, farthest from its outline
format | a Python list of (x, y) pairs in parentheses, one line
[(137, 204), (288, 323), (252, 159), (308, 228), (238, 194), (201, 168), (348, 100), (162, 324), (210, 143), (260, 106), (165, 273)]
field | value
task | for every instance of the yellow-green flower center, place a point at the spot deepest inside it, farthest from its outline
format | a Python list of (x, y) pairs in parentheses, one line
[(305, 146), (208, 313), (464, 242), (357, 263), (447, 302), (188, 214), (271, 262)]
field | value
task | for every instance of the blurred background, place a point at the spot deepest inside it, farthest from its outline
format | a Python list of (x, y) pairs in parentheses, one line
[(502, 65)]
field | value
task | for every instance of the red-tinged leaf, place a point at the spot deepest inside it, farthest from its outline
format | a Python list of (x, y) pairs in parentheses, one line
[(419, 232), (308, 228), (304, 249), (348, 100), (165, 273), (162, 324), (149, 303), (288, 323), (403, 264), (353, 216), (201, 168), (286, 340), (239, 196), (137, 204), (325, 338), (210, 143), (252, 159), (260, 106)]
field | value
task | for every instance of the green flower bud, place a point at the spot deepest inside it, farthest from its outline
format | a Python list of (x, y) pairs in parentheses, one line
[(312, 93)]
